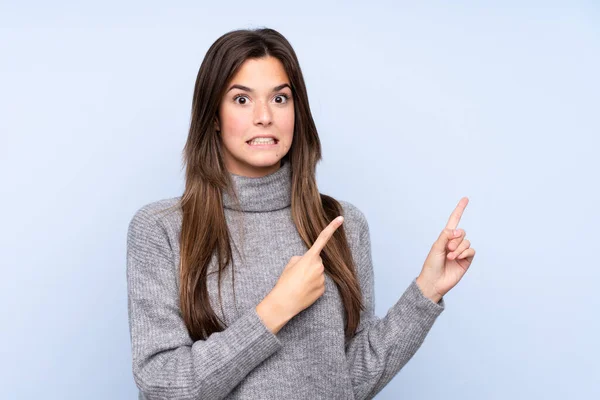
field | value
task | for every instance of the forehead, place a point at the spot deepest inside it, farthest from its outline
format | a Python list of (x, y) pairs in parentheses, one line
[(261, 73)]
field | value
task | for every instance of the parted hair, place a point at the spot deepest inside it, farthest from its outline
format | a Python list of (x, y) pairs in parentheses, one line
[(204, 231)]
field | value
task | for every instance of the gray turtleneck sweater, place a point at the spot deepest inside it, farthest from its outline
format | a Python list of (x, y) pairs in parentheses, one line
[(308, 358)]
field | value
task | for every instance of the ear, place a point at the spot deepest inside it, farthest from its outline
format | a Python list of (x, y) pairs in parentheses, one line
[(217, 124)]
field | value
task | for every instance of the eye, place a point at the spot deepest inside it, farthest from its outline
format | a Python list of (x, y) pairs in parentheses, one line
[(240, 96), (245, 98), (283, 95)]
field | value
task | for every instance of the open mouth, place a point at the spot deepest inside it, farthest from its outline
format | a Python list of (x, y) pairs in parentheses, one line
[(263, 143)]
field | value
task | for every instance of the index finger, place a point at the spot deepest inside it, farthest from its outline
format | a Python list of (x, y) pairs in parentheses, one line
[(457, 213), (325, 235)]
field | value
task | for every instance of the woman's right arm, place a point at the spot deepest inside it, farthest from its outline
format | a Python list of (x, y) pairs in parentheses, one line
[(166, 362)]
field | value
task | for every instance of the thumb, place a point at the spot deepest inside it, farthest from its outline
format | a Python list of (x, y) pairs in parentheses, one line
[(447, 235), (293, 261)]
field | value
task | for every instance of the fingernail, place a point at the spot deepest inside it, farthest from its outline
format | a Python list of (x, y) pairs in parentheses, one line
[(456, 232), (340, 218)]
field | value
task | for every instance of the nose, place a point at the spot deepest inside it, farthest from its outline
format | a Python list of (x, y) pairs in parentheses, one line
[(262, 113)]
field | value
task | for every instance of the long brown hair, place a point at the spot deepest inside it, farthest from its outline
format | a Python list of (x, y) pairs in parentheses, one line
[(204, 230)]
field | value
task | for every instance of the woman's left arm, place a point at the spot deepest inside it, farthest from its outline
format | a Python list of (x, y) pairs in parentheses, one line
[(382, 346)]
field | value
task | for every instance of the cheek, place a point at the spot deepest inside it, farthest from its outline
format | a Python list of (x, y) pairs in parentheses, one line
[(286, 125), (233, 122)]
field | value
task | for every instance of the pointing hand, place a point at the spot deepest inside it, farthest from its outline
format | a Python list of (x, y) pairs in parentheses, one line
[(302, 281), (449, 259)]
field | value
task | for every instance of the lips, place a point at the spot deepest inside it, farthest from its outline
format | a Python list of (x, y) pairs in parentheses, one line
[(265, 137)]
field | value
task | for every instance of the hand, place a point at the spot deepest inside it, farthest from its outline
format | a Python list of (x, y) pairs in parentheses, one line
[(302, 281), (449, 259)]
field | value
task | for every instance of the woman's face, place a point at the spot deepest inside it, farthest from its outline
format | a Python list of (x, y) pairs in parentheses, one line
[(258, 103)]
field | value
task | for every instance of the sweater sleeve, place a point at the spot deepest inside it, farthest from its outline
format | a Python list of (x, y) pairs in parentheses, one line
[(382, 346), (167, 363)]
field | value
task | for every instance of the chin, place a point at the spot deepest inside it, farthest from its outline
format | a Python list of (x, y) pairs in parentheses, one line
[(263, 163), (262, 160), (260, 163)]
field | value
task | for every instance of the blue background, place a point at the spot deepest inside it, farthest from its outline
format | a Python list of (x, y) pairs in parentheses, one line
[(416, 106)]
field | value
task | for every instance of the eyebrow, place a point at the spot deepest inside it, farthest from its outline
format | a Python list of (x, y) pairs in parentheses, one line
[(247, 89)]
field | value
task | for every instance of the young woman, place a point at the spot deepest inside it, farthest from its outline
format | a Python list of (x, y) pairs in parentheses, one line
[(252, 284)]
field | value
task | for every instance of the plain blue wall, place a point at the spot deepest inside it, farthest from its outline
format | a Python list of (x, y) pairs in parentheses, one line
[(416, 106)]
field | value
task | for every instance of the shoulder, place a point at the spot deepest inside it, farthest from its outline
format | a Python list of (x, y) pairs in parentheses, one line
[(153, 217), (352, 214), (356, 228), (355, 221)]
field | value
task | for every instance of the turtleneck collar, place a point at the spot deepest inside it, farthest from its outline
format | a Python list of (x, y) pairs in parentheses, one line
[(266, 193)]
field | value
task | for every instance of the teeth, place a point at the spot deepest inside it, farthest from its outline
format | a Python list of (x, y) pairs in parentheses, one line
[(262, 141)]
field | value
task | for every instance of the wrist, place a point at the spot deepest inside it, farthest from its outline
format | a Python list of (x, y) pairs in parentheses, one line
[(273, 314), (428, 290)]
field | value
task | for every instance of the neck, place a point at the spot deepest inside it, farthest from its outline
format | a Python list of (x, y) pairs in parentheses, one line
[(255, 172), (268, 192)]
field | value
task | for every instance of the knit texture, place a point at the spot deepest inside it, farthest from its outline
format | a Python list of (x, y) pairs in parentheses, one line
[(309, 357)]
